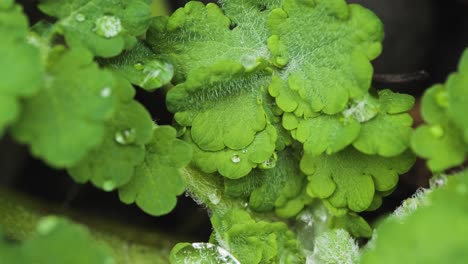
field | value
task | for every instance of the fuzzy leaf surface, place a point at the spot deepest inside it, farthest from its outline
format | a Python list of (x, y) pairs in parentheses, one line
[(325, 48)]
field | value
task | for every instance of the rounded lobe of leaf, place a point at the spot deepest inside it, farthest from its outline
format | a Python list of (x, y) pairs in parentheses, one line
[(113, 163), (349, 178), (328, 55), (457, 89), (158, 181)]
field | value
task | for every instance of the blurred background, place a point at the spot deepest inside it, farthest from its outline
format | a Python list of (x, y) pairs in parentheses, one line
[(427, 35)]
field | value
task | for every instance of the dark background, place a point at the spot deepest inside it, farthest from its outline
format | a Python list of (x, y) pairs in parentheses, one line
[(425, 35)]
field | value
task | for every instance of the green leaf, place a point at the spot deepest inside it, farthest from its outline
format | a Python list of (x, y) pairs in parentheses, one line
[(279, 187), (326, 133), (389, 133), (142, 67), (253, 242), (68, 117), (222, 104), (440, 141), (457, 90), (335, 246), (200, 253), (373, 125), (20, 65), (232, 163), (106, 27), (434, 233), (56, 241), (197, 35), (325, 48), (158, 180), (113, 163), (350, 179)]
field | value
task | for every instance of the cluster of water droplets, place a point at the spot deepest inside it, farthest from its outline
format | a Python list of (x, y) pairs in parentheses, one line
[(203, 253), (106, 26)]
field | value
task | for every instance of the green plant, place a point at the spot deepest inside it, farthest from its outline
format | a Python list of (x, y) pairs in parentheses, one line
[(277, 129)]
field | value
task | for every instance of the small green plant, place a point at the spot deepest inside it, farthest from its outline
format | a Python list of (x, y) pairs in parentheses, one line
[(277, 129)]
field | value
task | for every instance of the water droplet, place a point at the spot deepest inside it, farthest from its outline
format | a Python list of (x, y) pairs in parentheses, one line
[(205, 253), (362, 110), (156, 73), (235, 158), (80, 17), (269, 163), (139, 66), (108, 186), (248, 61), (437, 131), (106, 92), (126, 136), (437, 181), (108, 26), (244, 150), (246, 205), (47, 224), (214, 198)]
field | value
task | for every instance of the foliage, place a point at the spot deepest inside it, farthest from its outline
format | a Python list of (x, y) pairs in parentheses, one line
[(56, 240), (277, 128)]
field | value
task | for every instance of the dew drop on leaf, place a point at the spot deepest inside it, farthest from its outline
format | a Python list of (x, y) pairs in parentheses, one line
[(362, 110), (125, 137), (248, 61), (269, 163), (205, 253), (139, 66), (80, 17), (244, 151), (214, 198), (155, 73), (235, 158), (108, 26), (106, 92)]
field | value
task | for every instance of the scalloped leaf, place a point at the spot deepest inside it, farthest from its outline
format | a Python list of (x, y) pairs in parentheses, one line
[(106, 27), (374, 126), (222, 104), (349, 179), (388, 133), (440, 141), (113, 163), (457, 90), (68, 118), (158, 181), (20, 65), (142, 67), (253, 242), (280, 187), (325, 48), (236, 164), (197, 35)]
